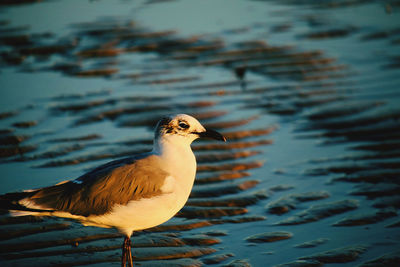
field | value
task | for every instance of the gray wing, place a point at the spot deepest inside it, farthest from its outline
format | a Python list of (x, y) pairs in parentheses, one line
[(99, 190)]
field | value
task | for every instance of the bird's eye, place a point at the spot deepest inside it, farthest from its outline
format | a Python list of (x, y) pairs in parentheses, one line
[(183, 125)]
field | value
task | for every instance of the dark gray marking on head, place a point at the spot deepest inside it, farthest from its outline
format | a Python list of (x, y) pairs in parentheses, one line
[(164, 121), (163, 126)]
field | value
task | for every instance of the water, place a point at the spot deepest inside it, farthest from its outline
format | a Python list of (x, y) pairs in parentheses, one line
[(325, 76)]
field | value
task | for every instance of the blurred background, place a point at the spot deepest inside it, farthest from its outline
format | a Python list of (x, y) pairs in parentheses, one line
[(307, 93)]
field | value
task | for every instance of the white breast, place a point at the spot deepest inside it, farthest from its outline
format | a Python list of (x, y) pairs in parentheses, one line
[(149, 212)]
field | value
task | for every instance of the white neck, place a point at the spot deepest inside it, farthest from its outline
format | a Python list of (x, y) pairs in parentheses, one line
[(175, 150)]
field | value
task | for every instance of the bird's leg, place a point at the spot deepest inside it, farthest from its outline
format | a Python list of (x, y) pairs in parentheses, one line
[(124, 251), (129, 253)]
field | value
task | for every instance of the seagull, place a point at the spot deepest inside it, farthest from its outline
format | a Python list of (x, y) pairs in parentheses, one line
[(129, 194)]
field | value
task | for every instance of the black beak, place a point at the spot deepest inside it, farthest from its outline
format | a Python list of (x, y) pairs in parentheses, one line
[(212, 134)]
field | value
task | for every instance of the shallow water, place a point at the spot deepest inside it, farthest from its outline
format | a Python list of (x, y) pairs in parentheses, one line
[(317, 111)]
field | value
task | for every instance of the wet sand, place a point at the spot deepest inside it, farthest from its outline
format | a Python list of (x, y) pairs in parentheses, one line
[(306, 92)]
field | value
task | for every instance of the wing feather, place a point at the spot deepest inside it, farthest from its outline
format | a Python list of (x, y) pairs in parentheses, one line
[(98, 191)]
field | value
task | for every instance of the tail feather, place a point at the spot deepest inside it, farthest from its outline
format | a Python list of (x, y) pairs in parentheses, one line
[(10, 202)]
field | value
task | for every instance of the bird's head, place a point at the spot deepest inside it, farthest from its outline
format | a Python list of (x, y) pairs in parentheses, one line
[(185, 128)]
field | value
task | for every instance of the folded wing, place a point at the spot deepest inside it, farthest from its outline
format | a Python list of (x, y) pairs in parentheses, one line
[(96, 192)]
